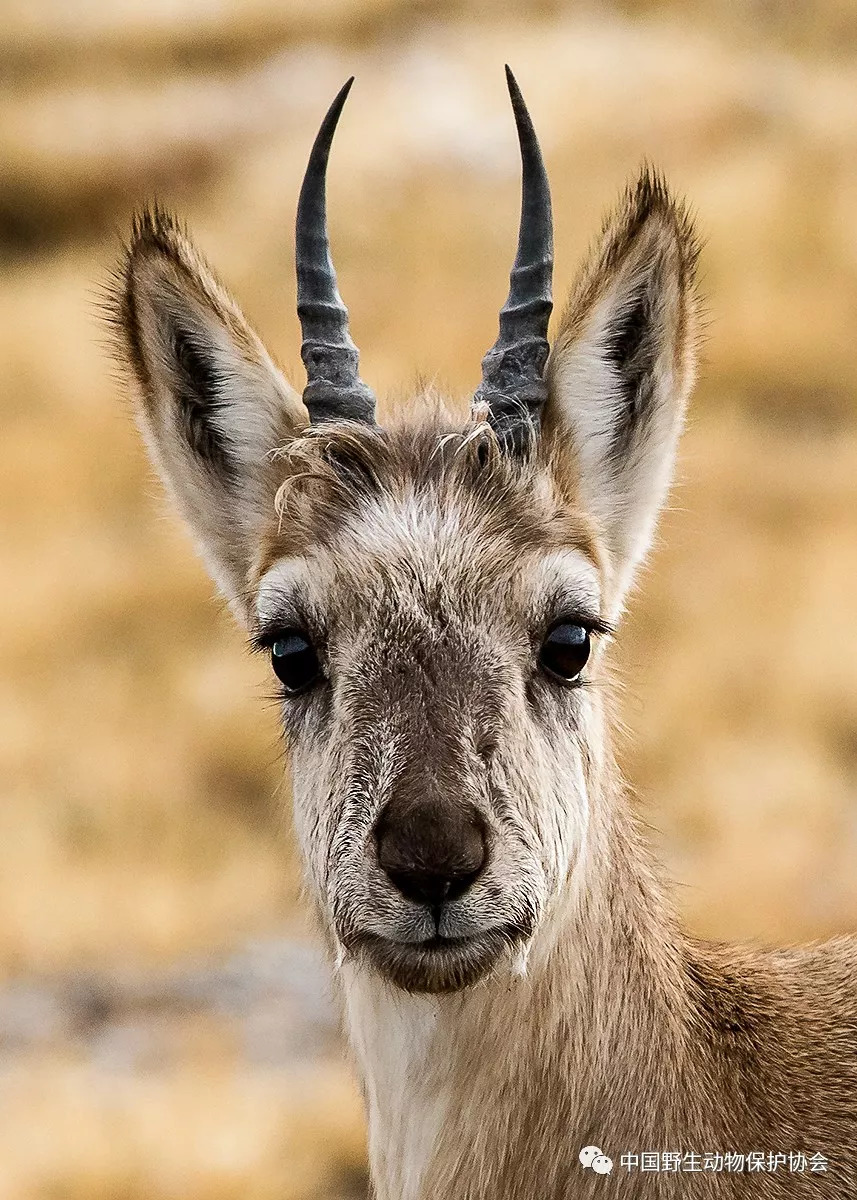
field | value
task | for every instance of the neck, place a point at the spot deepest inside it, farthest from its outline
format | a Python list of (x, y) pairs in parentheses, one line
[(556, 1056)]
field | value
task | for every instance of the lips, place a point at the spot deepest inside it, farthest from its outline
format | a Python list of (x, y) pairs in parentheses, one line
[(439, 965)]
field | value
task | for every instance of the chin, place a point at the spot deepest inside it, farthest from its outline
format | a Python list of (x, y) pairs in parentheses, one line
[(442, 965)]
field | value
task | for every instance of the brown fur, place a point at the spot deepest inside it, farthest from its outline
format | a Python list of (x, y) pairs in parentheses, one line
[(328, 472)]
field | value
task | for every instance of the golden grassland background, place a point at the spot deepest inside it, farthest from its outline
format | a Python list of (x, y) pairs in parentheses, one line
[(142, 816)]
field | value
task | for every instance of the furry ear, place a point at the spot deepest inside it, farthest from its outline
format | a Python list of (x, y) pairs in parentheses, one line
[(621, 371), (211, 403)]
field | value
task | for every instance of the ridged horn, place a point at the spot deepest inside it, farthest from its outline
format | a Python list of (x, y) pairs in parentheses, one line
[(513, 384), (334, 390)]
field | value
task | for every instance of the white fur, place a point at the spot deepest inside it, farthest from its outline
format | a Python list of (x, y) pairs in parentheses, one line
[(397, 1043), (624, 500), (277, 586)]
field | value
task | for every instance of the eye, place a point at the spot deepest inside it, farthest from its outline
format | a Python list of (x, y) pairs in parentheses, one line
[(295, 661), (564, 651)]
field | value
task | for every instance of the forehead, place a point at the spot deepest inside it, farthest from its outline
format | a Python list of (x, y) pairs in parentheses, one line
[(423, 521)]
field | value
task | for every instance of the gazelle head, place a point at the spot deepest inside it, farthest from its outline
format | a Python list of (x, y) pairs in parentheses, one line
[(431, 593)]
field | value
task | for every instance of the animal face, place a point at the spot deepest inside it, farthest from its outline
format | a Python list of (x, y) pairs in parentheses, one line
[(435, 596), (436, 653)]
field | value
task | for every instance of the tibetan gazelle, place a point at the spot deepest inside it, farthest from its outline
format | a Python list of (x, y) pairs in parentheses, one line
[(437, 598)]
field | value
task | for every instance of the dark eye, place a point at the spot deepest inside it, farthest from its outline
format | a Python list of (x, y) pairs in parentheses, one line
[(295, 661), (564, 651)]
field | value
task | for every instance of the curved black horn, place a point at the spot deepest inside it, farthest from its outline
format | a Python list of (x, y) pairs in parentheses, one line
[(334, 389), (513, 384)]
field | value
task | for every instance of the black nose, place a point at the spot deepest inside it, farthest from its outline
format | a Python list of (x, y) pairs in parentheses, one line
[(432, 850)]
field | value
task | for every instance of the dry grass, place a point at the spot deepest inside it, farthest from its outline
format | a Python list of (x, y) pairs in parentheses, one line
[(141, 814), (207, 1131)]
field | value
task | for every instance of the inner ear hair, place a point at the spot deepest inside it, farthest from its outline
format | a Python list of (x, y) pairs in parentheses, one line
[(631, 346), (212, 405), (647, 244), (621, 370), (197, 386), (633, 308)]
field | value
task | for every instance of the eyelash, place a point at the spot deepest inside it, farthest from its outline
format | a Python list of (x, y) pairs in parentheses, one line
[(263, 640), (596, 626)]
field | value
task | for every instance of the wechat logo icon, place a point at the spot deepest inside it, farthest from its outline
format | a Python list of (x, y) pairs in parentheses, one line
[(592, 1159)]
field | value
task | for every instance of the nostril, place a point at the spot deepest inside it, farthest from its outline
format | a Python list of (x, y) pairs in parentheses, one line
[(431, 887), (431, 852)]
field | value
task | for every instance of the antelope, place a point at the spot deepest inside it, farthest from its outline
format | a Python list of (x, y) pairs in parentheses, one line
[(437, 597)]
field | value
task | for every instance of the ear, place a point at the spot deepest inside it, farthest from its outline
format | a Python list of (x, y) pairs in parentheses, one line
[(621, 371), (211, 404)]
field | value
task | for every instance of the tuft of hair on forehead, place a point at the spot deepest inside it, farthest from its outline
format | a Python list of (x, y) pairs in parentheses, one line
[(333, 471)]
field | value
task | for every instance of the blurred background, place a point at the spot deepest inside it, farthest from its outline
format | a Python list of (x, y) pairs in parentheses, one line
[(165, 1030)]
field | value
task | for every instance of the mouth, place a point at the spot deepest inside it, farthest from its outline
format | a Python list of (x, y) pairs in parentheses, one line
[(439, 965)]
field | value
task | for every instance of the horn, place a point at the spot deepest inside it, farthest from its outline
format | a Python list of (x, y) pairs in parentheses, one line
[(513, 384), (334, 389)]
